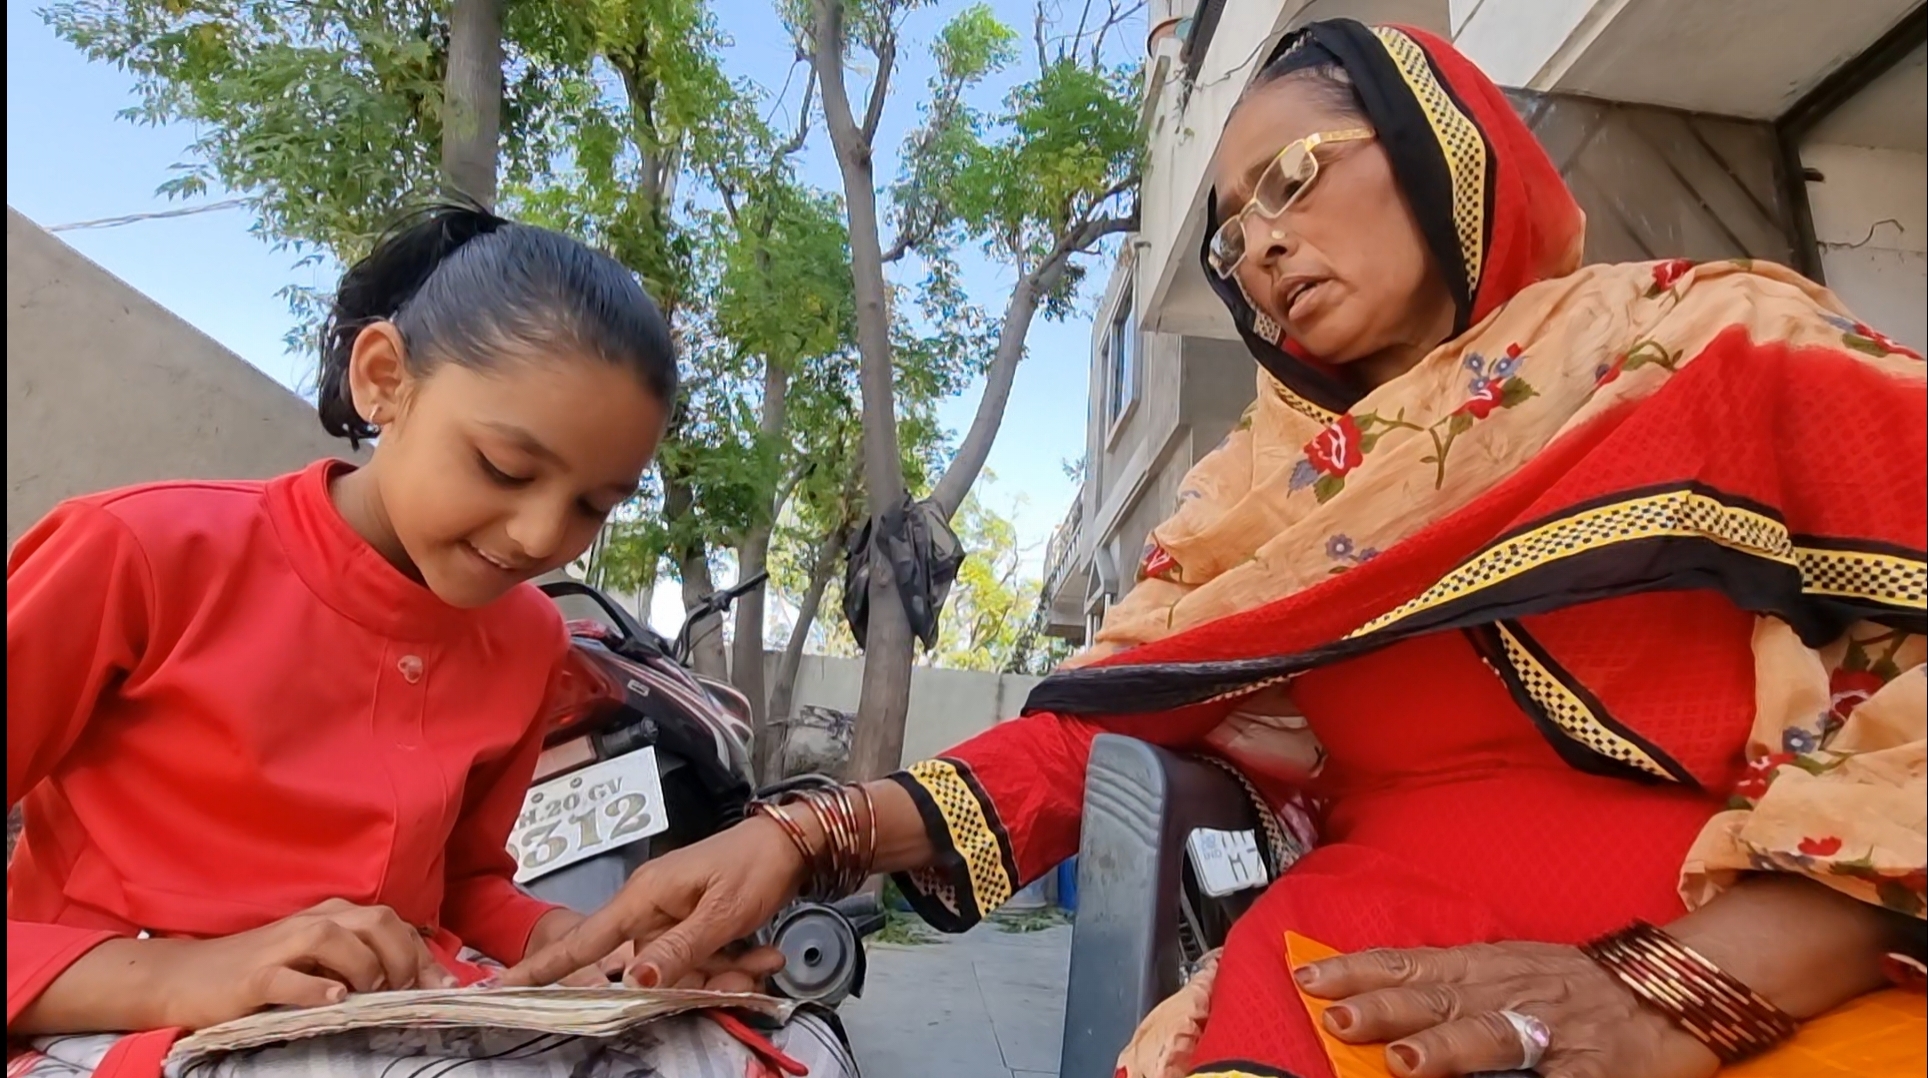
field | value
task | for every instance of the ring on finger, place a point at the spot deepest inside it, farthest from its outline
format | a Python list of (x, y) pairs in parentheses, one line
[(1535, 1037)]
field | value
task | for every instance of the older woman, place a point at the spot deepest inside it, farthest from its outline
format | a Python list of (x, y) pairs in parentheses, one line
[(1560, 603)]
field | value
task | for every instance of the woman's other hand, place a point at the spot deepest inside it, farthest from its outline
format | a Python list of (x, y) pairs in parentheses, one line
[(1438, 1012), (1266, 737), (1163, 1043), (683, 910), (313, 958)]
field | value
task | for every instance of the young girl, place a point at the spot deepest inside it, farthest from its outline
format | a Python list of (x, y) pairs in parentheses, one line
[(270, 737)]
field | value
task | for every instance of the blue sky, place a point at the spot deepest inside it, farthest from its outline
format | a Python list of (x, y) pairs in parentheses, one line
[(71, 159)]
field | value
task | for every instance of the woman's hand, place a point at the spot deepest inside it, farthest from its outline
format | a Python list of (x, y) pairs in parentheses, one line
[(1439, 1009), (310, 959), (558, 923), (735, 970), (683, 910)]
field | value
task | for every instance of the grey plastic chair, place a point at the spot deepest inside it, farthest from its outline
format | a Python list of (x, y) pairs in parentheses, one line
[(1127, 952), (1128, 946)]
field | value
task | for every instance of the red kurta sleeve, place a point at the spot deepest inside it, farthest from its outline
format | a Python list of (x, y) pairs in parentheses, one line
[(80, 599), (482, 903), (1003, 808)]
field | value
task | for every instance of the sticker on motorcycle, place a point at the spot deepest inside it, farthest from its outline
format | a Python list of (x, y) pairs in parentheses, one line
[(588, 812)]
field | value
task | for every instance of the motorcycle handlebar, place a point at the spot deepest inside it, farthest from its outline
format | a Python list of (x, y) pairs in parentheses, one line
[(716, 602)]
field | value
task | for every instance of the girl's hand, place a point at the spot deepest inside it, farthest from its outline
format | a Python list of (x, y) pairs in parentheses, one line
[(310, 959), (682, 910), (1440, 1011)]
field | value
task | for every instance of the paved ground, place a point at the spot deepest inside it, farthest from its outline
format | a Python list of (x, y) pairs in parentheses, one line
[(987, 1004)]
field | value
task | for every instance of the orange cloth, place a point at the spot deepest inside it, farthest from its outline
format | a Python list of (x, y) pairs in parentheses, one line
[(1876, 1036)]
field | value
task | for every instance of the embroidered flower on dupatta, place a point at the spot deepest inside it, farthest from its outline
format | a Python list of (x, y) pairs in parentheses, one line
[(1495, 383), (1336, 451), (1645, 352), (1666, 275), (1339, 547), (1759, 776), (1157, 563), (1849, 689), (1866, 339), (1343, 445)]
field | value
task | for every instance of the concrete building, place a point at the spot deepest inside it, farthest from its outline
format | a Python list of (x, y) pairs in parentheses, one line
[(107, 388), (1704, 129)]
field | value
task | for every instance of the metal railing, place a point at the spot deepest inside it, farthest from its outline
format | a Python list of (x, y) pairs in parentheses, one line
[(1062, 547)]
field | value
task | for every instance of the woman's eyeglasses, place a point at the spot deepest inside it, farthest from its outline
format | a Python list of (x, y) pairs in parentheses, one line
[(1280, 185)]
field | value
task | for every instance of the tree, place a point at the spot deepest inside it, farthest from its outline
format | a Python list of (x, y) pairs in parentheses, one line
[(329, 120), (992, 605), (472, 99), (1038, 184)]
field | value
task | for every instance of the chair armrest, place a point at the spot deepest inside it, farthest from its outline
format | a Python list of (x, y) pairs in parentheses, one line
[(1140, 804)]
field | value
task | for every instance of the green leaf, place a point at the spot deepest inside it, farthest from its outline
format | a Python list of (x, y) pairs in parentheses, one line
[(1861, 868), (1516, 391), (1867, 345), (1328, 486), (1896, 897), (1459, 423)]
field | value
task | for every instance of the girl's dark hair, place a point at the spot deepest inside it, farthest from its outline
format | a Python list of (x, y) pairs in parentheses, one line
[(463, 285)]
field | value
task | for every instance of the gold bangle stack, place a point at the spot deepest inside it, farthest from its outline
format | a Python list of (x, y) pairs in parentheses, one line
[(1731, 1019), (839, 865)]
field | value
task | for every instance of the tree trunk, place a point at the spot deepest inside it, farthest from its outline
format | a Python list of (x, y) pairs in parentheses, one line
[(971, 454), (707, 656), (889, 647), (472, 99), (753, 556), (783, 690)]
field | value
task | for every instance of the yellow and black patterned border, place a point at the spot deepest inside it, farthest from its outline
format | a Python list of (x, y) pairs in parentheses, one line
[(1460, 141), (1686, 536), (1679, 513), (976, 870), (1572, 716), (1683, 513), (1239, 1069), (1304, 406), (1891, 579)]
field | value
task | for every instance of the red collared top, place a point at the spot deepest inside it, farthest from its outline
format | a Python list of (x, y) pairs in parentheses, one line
[(224, 706)]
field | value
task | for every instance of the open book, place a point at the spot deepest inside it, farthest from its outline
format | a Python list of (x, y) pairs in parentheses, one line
[(588, 1012)]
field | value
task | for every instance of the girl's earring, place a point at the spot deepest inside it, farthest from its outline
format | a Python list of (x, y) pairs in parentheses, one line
[(1277, 236)]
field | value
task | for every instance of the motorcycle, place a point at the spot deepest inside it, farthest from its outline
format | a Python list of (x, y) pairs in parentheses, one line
[(644, 756)]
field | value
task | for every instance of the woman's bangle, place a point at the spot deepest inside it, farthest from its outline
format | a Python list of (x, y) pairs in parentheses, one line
[(843, 861), (1731, 1019)]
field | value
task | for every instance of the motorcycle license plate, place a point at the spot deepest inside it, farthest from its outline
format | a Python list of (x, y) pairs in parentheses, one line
[(1225, 861), (587, 812)]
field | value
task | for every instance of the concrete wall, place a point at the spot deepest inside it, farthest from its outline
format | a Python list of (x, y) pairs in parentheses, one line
[(1869, 220), (946, 706), (1870, 203), (1750, 59), (106, 388)]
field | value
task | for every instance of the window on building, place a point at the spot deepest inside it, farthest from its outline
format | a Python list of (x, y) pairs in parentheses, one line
[(1121, 360)]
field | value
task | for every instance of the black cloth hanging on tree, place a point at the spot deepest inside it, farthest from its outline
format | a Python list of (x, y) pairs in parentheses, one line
[(916, 541)]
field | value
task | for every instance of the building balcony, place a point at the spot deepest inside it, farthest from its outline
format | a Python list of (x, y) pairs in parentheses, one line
[(1067, 572)]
